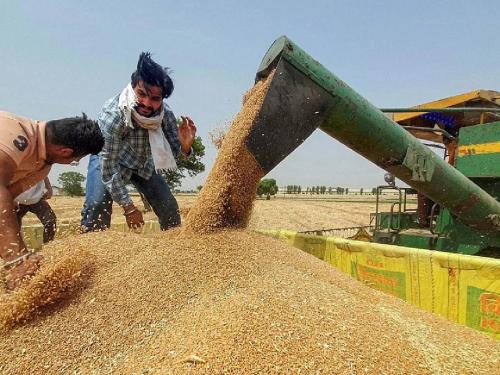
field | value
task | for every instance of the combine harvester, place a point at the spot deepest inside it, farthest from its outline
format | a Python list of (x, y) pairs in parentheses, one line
[(458, 213)]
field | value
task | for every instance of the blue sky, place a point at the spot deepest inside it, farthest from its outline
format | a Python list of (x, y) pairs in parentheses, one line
[(59, 58)]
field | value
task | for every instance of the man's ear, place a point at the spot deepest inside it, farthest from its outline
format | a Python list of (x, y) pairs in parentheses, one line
[(66, 152)]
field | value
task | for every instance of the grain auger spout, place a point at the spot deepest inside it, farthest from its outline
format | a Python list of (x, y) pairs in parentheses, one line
[(304, 96)]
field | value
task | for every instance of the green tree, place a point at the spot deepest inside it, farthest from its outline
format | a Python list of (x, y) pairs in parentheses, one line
[(71, 183), (191, 165), (268, 187)]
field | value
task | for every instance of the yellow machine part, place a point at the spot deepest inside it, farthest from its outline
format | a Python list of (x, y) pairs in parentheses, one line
[(476, 95), (481, 98)]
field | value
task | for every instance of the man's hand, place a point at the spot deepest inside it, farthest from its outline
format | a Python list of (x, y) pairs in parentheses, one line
[(47, 195), (48, 186), (186, 133), (133, 216), (23, 270)]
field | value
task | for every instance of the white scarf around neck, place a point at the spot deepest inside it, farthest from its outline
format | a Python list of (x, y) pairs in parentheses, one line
[(163, 157)]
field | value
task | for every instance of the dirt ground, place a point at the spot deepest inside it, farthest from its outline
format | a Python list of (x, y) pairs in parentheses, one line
[(297, 213)]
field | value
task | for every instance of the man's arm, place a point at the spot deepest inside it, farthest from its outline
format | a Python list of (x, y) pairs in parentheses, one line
[(181, 137), (113, 129), (12, 245), (169, 126), (48, 186)]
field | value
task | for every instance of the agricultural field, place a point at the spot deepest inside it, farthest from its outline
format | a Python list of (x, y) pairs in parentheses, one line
[(291, 212)]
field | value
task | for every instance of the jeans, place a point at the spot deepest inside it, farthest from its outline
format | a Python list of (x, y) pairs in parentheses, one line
[(97, 209), (44, 213)]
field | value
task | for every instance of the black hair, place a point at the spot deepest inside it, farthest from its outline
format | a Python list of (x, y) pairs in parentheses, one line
[(78, 133), (152, 74)]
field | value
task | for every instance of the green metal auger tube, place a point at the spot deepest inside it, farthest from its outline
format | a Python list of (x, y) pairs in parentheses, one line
[(303, 95)]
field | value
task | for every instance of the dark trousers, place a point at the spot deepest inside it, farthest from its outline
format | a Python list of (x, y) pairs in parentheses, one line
[(44, 212)]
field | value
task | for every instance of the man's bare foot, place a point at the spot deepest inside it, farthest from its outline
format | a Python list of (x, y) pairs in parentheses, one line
[(22, 271)]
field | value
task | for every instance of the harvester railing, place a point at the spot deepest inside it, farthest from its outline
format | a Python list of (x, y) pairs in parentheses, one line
[(345, 232)]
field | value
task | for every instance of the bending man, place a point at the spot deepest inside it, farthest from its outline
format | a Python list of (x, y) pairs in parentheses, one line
[(142, 139), (27, 151)]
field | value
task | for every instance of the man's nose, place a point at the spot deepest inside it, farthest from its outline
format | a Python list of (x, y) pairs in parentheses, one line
[(146, 102)]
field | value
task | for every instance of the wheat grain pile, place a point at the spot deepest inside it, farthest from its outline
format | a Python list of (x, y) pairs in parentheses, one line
[(227, 197), (231, 302)]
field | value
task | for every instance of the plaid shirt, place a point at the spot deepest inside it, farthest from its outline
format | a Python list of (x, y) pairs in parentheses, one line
[(126, 151)]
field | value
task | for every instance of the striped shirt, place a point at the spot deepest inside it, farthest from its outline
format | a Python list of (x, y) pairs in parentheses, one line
[(127, 151)]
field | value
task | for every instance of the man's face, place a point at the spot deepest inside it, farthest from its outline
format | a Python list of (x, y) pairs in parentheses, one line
[(149, 99)]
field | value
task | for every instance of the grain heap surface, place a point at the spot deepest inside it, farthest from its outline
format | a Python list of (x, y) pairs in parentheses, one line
[(227, 197), (232, 302), (62, 274)]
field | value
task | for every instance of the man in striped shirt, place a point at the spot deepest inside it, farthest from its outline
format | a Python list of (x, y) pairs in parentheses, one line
[(142, 140)]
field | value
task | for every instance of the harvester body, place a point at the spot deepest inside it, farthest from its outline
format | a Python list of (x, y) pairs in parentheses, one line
[(304, 96), (478, 158)]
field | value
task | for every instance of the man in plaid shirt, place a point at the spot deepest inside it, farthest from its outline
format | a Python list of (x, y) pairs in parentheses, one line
[(141, 138)]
